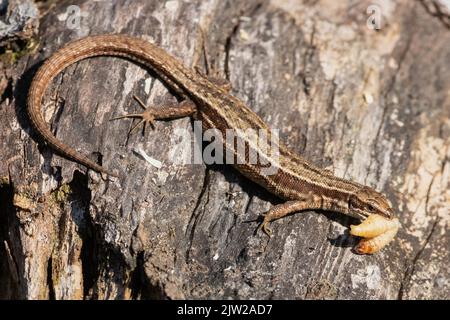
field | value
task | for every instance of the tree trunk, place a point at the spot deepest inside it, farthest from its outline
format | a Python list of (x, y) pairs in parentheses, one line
[(371, 105)]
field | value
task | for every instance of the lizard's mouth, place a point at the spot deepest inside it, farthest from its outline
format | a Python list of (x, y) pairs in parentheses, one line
[(377, 232)]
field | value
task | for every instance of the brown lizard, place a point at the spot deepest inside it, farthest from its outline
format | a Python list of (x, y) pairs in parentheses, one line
[(301, 183)]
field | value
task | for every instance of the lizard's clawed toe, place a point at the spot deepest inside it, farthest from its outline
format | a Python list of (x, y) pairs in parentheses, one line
[(264, 227), (146, 116)]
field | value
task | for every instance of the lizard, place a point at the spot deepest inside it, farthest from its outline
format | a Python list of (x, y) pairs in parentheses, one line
[(303, 185)]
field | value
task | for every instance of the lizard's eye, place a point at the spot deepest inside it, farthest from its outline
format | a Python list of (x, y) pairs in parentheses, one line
[(370, 208)]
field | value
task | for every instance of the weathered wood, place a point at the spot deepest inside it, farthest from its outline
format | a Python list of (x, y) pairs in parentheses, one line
[(373, 106)]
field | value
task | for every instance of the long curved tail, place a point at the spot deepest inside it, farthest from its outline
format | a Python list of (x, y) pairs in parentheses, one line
[(131, 48)]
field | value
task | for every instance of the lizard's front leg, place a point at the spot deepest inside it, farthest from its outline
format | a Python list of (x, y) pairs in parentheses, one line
[(309, 201), (376, 231)]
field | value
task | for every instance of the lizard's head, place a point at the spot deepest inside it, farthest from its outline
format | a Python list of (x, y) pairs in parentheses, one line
[(367, 201)]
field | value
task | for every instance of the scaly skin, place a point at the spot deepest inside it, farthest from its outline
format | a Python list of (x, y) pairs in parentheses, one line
[(304, 185)]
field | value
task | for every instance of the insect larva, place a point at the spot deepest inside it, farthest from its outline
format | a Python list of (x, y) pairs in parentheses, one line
[(372, 245), (378, 231), (373, 226)]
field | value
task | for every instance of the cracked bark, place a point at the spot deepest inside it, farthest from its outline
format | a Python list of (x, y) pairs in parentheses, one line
[(438, 9), (373, 106), (410, 269)]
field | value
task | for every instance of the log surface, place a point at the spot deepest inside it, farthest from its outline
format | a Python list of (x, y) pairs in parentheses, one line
[(370, 105)]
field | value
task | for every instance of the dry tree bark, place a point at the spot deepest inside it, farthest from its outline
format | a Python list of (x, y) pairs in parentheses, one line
[(371, 105)]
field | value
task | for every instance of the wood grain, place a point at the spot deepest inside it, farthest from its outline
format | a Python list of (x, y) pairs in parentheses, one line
[(372, 106)]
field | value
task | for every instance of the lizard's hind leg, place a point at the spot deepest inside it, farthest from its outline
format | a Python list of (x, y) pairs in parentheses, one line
[(211, 72), (183, 109)]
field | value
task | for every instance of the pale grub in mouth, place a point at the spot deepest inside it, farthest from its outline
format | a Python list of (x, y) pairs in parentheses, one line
[(377, 232)]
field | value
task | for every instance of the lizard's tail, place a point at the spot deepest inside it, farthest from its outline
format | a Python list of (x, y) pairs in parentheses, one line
[(134, 49)]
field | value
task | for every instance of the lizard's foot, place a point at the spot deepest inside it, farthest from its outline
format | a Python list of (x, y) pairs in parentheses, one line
[(284, 209), (185, 108), (264, 226), (146, 117), (376, 231)]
